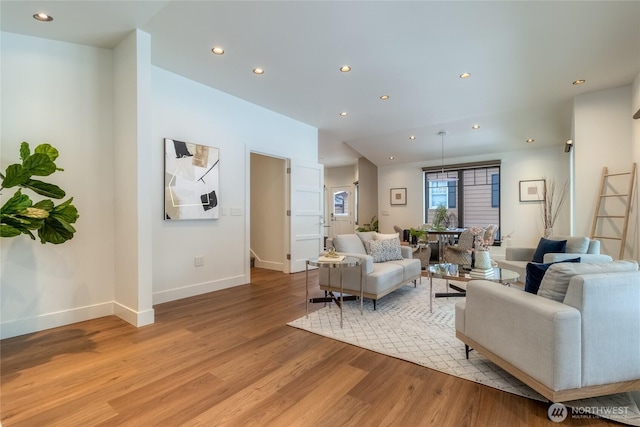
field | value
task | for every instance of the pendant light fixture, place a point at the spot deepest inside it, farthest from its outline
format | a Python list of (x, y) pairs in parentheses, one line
[(442, 133)]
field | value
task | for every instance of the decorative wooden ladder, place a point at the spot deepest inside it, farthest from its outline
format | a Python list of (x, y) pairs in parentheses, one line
[(627, 198)]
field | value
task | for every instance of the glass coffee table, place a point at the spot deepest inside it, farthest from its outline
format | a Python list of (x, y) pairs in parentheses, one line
[(454, 273)]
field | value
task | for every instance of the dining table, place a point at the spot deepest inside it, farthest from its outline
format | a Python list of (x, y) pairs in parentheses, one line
[(445, 237)]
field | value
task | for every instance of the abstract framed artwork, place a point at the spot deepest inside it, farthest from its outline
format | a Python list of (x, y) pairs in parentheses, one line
[(191, 180), (398, 196), (532, 190)]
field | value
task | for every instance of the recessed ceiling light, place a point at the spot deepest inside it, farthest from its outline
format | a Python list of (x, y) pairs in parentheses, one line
[(345, 68), (475, 127), (344, 113), (465, 75), (218, 50), (384, 97), (391, 157), (579, 82), (258, 71), (412, 137), (530, 140), (43, 17)]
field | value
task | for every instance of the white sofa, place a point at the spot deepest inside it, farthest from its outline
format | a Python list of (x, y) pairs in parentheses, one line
[(583, 344), (381, 278), (588, 250)]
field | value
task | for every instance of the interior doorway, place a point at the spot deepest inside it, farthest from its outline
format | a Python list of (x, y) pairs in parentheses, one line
[(268, 205)]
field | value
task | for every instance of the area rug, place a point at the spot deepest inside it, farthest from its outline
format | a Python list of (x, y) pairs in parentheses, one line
[(403, 327)]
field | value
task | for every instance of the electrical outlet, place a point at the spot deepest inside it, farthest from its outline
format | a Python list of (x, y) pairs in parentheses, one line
[(198, 261)]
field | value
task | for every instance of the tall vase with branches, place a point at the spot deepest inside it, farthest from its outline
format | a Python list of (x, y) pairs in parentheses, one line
[(553, 199)]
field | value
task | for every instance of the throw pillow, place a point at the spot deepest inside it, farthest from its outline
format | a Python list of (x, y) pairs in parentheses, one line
[(535, 273), (545, 246), (348, 243), (366, 236), (380, 236), (385, 250), (556, 280)]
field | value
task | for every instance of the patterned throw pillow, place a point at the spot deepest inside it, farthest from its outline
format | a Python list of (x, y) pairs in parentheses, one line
[(385, 250)]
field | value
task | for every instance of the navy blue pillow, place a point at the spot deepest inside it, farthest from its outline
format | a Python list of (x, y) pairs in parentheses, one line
[(535, 273), (548, 246)]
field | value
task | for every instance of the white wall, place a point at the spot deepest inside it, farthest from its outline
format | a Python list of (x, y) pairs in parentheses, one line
[(634, 220), (133, 180), (367, 176), (59, 93), (188, 111), (64, 94), (603, 137), (523, 219)]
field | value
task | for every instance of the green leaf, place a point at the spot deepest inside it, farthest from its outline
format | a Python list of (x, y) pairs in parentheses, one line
[(53, 231), (45, 189), (9, 231), (16, 175), (57, 227), (39, 164), (47, 205), (47, 149), (24, 151), (22, 223), (65, 212), (16, 203)]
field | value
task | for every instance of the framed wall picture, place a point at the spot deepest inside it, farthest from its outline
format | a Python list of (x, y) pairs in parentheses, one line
[(398, 196), (532, 190), (191, 180)]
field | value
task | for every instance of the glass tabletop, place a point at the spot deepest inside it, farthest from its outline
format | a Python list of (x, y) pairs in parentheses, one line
[(453, 272), (324, 262)]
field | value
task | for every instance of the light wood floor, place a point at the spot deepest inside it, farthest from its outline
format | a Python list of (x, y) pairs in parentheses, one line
[(228, 358)]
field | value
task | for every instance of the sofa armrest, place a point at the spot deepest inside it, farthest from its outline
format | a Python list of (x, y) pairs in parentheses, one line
[(540, 337), (513, 253), (406, 251), (584, 258), (609, 303)]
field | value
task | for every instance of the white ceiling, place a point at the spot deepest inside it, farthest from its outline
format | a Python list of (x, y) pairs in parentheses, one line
[(522, 56)]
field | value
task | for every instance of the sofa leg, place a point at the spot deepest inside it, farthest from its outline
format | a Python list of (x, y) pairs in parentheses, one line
[(374, 304), (467, 350)]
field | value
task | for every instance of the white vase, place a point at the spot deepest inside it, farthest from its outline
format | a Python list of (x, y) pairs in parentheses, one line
[(483, 260)]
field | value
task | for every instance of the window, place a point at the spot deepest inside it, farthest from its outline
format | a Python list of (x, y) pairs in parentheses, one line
[(341, 203), (470, 192)]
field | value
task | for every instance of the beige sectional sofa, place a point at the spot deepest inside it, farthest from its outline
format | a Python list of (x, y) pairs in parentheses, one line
[(588, 250), (381, 276), (582, 340)]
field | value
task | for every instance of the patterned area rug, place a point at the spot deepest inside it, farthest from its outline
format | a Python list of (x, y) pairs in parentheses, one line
[(402, 327)]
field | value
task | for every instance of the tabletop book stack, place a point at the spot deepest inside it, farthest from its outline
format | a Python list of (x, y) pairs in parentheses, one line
[(478, 273)]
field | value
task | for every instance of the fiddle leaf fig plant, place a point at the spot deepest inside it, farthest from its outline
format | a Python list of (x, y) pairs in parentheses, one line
[(20, 215)]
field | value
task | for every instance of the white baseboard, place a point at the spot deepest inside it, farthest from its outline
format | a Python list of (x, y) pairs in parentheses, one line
[(136, 318), (270, 265), (198, 289), (14, 328)]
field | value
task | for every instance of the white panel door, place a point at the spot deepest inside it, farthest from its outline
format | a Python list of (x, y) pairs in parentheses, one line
[(341, 211), (306, 182)]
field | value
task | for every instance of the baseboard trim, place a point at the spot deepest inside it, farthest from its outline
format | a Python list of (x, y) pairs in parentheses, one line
[(136, 318), (269, 265), (198, 289), (14, 328)]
